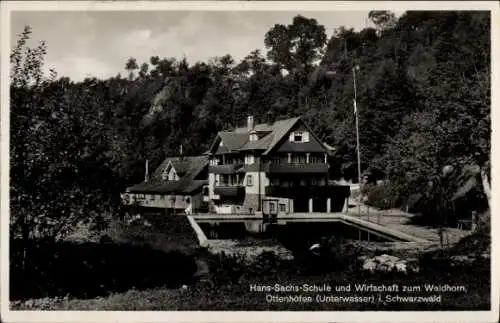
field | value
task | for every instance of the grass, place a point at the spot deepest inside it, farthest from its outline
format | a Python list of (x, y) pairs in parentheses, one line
[(166, 233), (123, 258)]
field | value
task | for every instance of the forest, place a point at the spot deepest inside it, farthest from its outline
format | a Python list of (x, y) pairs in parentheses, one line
[(423, 98)]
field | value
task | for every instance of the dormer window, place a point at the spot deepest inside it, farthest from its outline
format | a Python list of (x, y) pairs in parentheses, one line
[(254, 137), (170, 174), (299, 136), (249, 159)]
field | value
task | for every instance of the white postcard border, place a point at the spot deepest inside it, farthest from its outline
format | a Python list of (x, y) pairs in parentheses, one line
[(227, 316)]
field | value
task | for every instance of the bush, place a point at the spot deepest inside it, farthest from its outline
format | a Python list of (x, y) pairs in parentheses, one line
[(92, 269), (381, 196), (226, 269)]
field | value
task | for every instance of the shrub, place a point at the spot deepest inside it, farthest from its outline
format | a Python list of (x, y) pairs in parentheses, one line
[(381, 196), (226, 269)]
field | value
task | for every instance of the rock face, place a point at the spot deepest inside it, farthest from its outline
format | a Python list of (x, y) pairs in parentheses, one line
[(387, 263)]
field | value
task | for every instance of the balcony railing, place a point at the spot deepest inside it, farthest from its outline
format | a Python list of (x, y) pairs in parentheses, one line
[(310, 168), (236, 191), (308, 191), (225, 169)]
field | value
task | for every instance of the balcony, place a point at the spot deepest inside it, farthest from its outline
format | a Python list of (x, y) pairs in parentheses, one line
[(307, 168), (236, 191), (225, 169), (308, 191)]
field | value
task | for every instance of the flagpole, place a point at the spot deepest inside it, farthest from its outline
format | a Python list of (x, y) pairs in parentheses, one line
[(357, 137)]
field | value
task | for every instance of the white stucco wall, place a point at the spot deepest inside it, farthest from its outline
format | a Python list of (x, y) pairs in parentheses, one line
[(254, 189)]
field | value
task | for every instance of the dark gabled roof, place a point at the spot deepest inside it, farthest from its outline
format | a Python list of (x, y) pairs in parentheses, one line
[(270, 135), (260, 144), (186, 167), (331, 150), (181, 166), (280, 129), (261, 127), (233, 141)]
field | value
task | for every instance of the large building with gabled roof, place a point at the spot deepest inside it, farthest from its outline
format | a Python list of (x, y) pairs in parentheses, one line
[(275, 168), (176, 186)]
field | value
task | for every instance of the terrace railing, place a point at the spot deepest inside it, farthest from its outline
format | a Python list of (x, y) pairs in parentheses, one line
[(291, 168)]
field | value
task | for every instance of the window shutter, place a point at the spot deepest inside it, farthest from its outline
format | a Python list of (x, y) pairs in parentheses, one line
[(291, 136), (305, 137)]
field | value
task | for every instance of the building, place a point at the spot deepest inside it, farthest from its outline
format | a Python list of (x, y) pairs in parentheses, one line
[(176, 186), (272, 168)]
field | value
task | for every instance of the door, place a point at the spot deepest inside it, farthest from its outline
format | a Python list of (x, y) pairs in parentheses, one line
[(270, 207)]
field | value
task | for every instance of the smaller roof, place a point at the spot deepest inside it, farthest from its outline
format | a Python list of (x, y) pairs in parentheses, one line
[(280, 129), (327, 146), (261, 144), (233, 141), (187, 168), (181, 166)]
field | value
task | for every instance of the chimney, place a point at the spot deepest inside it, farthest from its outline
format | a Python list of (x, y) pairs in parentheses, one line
[(250, 123), (146, 176)]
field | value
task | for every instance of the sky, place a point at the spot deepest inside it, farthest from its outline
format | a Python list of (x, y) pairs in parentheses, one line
[(98, 43)]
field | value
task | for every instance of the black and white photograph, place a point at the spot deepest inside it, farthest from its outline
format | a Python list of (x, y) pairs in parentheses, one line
[(210, 158)]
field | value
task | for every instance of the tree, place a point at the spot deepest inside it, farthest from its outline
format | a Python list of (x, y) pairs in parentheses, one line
[(143, 71), (383, 19), (298, 45), (59, 167), (131, 66)]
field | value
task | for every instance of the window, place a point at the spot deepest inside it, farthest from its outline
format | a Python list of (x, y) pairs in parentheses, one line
[(299, 136), (314, 182), (162, 197), (272, 207), (282, 207), (249, 180), (171, 175), (254, 137), (249, 159), (217, 179), (221, 144)]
